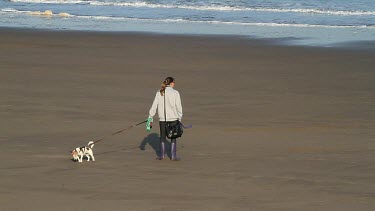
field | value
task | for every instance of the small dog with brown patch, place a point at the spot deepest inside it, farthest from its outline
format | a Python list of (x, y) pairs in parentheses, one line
[(79, 152)]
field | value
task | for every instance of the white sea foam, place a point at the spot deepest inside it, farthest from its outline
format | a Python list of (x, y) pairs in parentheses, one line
[(49, 13), (46, 13), (42, 13), (258, 24), (12, 10), (52, 1), (203, 8), (9, 10), (221, 22)]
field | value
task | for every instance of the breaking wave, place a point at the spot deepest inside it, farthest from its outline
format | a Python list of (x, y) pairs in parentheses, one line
[(203, 7), (49, 13)]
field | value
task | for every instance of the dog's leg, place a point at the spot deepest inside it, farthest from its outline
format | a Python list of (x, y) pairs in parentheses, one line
[(92, 156), (80, 159), (88, 157)]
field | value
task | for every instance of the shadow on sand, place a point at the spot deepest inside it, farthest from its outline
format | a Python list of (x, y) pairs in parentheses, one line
[(117, 150), (154, 141)]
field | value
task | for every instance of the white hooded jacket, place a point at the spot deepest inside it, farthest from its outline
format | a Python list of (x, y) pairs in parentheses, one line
[(173, 105)]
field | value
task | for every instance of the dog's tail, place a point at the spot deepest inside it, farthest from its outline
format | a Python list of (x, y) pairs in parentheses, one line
[(90, 144)]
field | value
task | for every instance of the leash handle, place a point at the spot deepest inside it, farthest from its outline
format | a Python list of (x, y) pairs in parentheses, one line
[(149, 124)]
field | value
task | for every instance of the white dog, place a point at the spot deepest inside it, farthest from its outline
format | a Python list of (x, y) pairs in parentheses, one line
[(79, 152)]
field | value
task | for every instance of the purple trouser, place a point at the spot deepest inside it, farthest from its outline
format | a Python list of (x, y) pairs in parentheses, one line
[(163, 137)]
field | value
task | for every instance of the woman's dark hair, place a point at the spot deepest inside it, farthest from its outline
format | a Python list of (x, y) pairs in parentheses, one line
[(166, 83)]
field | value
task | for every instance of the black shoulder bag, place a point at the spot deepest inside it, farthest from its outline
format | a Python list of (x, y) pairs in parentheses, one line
[(173, 129)]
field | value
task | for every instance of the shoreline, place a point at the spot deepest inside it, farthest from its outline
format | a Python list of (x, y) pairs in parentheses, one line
[(368, 46)]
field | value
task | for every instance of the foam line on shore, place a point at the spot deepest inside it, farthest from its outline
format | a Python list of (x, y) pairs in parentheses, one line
[(49, 13), (205, 7)]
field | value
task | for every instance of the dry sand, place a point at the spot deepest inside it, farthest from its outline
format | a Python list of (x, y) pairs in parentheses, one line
[(274, 128)]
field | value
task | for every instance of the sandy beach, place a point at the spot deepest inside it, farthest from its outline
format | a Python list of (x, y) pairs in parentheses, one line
[(274, 127)]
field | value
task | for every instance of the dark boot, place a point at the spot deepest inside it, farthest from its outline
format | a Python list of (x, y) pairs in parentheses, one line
[(174, 152), (162, 151)]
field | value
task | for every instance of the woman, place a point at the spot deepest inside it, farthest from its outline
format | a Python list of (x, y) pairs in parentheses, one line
[(173, 113)]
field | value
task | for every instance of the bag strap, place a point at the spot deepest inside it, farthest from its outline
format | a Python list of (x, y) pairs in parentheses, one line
[(165, 108)]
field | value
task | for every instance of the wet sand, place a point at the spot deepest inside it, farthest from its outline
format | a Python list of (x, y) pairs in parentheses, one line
[(274, 127)]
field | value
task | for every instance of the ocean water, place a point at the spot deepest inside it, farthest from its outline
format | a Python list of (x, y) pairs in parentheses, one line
[(305, 22)]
